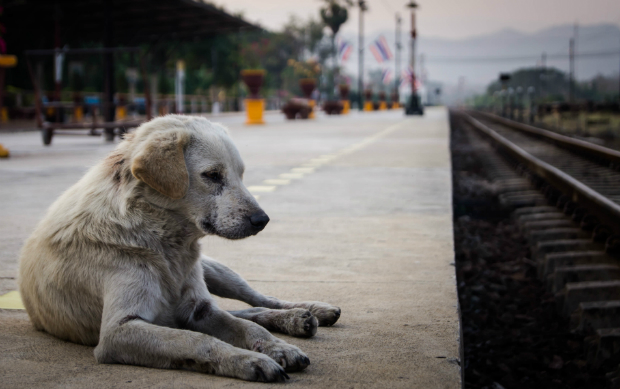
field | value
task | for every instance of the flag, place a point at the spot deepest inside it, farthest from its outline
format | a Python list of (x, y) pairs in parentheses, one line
[(381, 50), (407, 73), (386, 76), (407, 76), (344, 50)]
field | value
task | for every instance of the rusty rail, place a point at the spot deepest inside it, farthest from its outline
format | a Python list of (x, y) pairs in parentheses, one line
[(580, 146), (603, 208)]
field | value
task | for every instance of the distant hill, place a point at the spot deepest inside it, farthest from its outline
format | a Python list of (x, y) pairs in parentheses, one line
[(444, 58)]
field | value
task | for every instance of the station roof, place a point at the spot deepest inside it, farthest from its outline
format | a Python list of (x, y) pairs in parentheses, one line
[(31, 23)]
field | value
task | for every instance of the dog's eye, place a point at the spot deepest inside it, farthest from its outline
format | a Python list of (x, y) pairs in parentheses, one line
[(212, 175)]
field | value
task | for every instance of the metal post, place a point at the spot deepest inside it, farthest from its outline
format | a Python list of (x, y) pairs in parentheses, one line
[(58, 56), (179, 86), (360, 78), (543, 81), (413, 105), (108, 68), (571, 55), (397, 56)]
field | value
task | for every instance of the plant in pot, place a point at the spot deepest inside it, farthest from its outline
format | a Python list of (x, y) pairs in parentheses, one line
[(296, 108), (309, 70), (253, 76), (333, 107), (255, 106)]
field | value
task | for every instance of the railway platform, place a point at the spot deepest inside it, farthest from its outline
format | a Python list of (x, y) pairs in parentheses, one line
[(361, 217)]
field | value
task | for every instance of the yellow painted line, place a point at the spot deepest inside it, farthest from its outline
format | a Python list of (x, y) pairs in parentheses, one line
[(291, 176), (11, 300), (277, 181), (261, 188), (321, 160), (309, 167), (302, 170)]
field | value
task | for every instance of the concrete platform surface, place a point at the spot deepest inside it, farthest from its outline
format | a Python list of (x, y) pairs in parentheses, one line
[(361, 217)]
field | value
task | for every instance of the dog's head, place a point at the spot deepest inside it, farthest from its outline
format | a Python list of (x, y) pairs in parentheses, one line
[(191, 165)]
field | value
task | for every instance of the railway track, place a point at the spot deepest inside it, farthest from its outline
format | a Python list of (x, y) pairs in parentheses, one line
[(566, 199)]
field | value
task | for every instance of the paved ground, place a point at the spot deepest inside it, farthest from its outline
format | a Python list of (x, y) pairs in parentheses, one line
[(365, 223)]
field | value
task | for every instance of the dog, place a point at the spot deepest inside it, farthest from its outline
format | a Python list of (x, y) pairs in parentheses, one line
[(116, 263)]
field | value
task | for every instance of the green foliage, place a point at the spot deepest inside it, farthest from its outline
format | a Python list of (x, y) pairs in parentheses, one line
[(335, 13), (209, 62)]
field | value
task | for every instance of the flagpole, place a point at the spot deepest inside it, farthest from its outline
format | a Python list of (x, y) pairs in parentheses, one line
[(397, 56), (360, 78)]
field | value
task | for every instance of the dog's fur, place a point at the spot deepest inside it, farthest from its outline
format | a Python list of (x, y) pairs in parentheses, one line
[(116, 261)]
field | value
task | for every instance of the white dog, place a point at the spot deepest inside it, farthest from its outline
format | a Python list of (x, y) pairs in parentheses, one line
[(116, 261)]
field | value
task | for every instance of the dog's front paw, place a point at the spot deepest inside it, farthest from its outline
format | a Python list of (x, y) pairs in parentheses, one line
[(325, 313), (290, 357), (251, 366), (300, 322)]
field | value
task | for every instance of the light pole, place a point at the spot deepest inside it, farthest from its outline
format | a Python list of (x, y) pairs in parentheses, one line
[(413, 105), (530, 93), (511, 100), (360, 79), (519, 91), (397, 59), (503, 79)]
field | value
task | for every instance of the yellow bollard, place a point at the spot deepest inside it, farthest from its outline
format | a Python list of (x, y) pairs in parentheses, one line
[(383, 106), (255, 109), (4, 152), (78, 114), (121, 112), (4, 115), (395, 105), (346, 106), (368, 106), (311, 103)]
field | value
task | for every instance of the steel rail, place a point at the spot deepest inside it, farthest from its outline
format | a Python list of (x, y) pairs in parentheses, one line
[(604, 209), (596, 151)]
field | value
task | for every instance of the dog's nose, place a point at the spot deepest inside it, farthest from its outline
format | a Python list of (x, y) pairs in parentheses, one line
[(259, 219)]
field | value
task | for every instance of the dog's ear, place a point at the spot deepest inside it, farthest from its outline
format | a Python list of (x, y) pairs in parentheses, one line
[(160, 163)]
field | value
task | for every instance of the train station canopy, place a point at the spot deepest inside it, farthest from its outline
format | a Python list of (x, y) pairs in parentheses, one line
[(34, 24)]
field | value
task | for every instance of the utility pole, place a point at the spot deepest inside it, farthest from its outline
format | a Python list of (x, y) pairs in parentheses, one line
[(544, 75), (571, 56), (397, 57), (575, 48), (360, 79)]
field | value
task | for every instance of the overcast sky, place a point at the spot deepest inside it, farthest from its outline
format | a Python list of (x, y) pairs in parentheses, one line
[(443, 18)]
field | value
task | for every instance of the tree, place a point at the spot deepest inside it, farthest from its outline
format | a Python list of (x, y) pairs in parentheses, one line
[(334, 15)]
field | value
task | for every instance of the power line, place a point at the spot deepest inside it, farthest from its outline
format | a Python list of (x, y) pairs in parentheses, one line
[(439, 59), (599, 54)]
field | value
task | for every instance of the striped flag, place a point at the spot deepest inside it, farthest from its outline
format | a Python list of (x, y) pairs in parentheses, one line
[(381, 50), (344, 50), (407, 76), (386, 76)]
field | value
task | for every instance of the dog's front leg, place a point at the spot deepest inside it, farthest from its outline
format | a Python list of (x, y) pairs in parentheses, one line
[(128, 336), (224, 282), (199, 312)]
